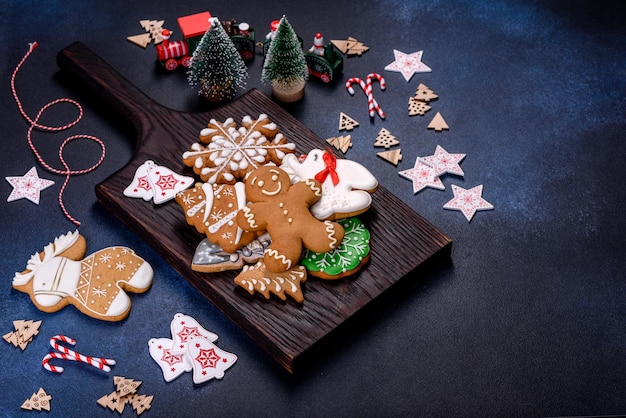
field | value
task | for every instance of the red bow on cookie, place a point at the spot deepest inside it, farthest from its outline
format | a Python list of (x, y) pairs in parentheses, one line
[(330, 163)]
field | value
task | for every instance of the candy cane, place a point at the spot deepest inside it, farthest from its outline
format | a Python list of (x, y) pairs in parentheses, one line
[(67, 354), (366, 86), (352, 81), (383, 86)]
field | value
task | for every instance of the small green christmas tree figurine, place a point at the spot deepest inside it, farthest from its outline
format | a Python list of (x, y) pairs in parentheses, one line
[(216, 66), (285, 66)]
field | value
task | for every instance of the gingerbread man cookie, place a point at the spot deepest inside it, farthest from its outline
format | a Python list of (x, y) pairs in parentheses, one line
[(282, 209), (95, 285), (346, 185)]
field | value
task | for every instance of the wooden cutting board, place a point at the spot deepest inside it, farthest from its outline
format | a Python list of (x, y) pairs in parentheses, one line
[(401, 239)]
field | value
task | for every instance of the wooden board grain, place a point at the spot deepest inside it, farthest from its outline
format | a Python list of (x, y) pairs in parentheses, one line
[(401, 239)]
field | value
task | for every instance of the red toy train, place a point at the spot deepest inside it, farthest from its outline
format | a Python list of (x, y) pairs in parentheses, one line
[(172, 54)]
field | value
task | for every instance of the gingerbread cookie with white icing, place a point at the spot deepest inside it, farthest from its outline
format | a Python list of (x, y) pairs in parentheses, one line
[(212, 208), (96, 285), (282, 209), (348, 258), (227, 153), (346, 185)]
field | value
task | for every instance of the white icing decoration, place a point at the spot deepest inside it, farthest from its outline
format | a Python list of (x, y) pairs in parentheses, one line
[(350, 195)]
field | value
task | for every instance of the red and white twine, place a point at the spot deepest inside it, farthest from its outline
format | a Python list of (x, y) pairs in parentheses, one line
[(34, 124), (366, 86), (67, 354)]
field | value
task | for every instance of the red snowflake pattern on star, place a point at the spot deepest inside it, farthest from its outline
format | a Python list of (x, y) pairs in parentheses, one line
[(422, 176), (468, 201)]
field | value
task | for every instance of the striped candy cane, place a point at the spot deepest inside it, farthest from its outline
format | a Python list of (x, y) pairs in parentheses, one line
[(354, 80), (366, 86), (383, 86), (67, 354)]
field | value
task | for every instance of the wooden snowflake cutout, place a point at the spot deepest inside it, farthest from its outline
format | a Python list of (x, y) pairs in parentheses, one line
[(385, 139), (417, 107), (346, 122), (231, 152), (257, 279), (342, 143)]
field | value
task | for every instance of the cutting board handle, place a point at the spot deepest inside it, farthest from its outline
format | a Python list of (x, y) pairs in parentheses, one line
[(107, 84)]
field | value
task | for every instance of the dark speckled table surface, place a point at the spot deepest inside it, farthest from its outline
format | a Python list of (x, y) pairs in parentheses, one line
[(524, 318)]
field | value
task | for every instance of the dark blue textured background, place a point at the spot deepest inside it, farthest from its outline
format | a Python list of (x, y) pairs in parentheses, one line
[(526, 318)]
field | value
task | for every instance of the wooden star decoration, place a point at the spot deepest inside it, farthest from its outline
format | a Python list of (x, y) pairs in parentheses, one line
[(468, 201), (444, 162), (422, 176), (408, 64), (28, 186)]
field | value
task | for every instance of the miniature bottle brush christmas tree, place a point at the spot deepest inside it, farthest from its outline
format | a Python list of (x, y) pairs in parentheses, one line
[(285, 66), (216, 66)]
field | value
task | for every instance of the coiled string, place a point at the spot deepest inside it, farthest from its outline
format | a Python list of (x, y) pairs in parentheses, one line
[(34, 124)]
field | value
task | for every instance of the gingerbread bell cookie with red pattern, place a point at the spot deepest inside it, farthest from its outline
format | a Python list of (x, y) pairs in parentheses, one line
[(96, 285)]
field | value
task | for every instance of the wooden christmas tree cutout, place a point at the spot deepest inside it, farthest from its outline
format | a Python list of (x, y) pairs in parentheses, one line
[(346, 122), (39, 401), (424, 94), (350, 46), (385, 139), (393, 156), (25, 331), (342, 143), (125, 393), (142, 40), (153, 30), (438, 123), (417, 107)]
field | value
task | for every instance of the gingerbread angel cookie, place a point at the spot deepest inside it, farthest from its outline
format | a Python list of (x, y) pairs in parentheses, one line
[(282, 210), (346, 185), (228, 153), (95, 285)]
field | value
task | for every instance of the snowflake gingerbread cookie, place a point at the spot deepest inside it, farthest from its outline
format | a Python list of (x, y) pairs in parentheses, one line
[(230, 153), (96, 285)]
